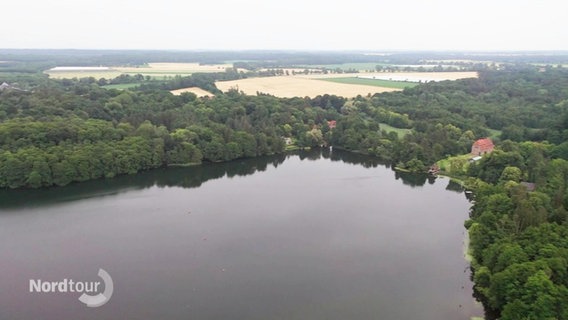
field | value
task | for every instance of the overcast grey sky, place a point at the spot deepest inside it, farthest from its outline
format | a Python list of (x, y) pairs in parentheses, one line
[(286, 24)]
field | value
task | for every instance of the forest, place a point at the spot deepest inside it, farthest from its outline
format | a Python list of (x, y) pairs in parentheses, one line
[(57, 132), (29, 59)]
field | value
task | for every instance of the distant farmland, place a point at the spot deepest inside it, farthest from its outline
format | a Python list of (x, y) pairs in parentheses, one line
[(373, 82), (401, 76), (155, 70), (77, 73), (295, 86), (313, 85), (359, 66)]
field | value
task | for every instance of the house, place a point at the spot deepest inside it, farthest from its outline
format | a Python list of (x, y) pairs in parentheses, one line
[(5, 86), (434, 169), (331, 124), (482, 146)]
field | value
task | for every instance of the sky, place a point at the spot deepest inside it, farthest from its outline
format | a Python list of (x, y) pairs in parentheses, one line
[(481, 25)]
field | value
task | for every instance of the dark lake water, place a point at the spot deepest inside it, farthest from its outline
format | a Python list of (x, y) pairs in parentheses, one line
[(304, 236)]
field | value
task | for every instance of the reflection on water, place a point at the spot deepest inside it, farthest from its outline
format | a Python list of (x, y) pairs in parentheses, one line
[(193, 177)]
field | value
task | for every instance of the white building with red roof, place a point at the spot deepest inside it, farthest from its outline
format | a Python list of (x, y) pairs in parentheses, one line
[(482, 146)]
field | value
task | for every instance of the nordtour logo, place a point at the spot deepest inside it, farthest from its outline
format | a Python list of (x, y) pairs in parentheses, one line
[(83, 287)]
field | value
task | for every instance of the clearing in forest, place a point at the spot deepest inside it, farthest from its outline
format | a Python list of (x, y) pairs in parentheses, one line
[(197, 91)]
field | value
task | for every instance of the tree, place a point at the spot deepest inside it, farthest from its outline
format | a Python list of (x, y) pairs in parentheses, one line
[(34, 180), (63, 173), (414, 165), (314, 137), (232, 151), (538, 301), (511, 174)]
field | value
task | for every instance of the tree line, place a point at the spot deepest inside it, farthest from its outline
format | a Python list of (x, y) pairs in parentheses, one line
[(445, 118)]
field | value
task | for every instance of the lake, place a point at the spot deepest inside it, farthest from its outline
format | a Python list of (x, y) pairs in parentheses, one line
[(312, 235)]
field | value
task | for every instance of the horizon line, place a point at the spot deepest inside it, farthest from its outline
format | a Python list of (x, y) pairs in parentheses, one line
[(362, 51)]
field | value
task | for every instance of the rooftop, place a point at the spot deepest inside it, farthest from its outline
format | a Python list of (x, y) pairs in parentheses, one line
[(484, 143)]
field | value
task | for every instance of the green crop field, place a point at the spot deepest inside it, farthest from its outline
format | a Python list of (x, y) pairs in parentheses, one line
[(373, 82), (110, 74)]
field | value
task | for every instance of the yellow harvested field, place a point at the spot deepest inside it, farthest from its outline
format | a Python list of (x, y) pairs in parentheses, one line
[(289, 86), (197, 91), (312, 85)]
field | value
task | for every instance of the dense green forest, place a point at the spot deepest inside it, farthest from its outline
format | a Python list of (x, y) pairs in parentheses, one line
[(74, 130), (519, 238), (56, 132)]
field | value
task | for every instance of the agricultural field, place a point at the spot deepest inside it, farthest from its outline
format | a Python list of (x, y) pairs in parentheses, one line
[(320, 84), (292, 71), (154, 70), (359, 66), (403, 76), (197, 91), (371, 66), (70, 74), (373, 82), (296, 86), (167, 68)]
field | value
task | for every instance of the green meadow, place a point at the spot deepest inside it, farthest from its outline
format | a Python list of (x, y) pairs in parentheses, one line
[(401, 132), (373, 82)]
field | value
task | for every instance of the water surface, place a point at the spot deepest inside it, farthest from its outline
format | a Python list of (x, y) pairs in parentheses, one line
[(305, 236)]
